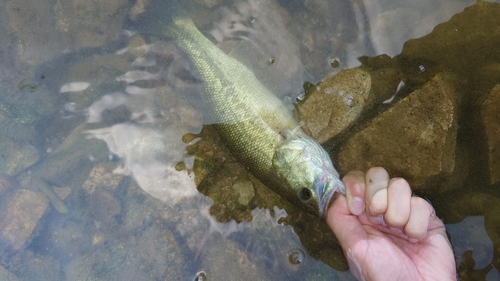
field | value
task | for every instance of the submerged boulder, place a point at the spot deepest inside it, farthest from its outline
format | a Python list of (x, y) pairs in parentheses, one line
[(337, 102), (490, 116), (20, 216), (414, 139)]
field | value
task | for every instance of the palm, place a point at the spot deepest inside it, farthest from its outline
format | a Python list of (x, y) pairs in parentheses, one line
[(377, 247), (414, 248), (383, 254)]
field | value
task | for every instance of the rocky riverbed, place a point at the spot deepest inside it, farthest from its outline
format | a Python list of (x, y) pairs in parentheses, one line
[(109, 170)]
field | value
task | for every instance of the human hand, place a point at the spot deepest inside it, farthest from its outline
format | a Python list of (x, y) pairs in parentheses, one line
[(397, 237)]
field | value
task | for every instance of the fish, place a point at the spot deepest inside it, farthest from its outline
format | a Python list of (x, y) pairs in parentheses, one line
[(254, 124)]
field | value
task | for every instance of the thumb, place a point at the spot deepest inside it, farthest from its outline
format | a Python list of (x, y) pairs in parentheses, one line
[(346, 226)]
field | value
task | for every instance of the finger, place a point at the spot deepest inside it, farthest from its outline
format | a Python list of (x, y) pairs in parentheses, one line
[(420, 216), (344, 224), (355, 191), (398, 203), (376, 181)]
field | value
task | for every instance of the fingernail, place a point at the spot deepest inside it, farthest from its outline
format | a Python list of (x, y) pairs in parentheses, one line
[(377, 220), (413, 240), (357, 206)]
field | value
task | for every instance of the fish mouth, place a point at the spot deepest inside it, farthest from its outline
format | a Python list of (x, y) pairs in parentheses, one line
[(329, 196)]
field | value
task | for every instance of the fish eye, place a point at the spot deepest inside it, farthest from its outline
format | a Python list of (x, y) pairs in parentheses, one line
[(305, 194)]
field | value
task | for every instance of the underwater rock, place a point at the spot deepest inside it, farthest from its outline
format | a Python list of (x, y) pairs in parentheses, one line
[(5, 184), (490, 75), (210, 154), (208, 3), (72, 238), (62, 192), (225, 189), (17, 157), (89, 24), (87, 80), (140, 210), (245, 191), (54, 199), (71, 161), (33, 25), (7, 275), (464, 44), (321, 40), (336, 104), (224, 258), (36, 103), (414, 139), (47, 28), (151, 254), (188, 114), (20, 216), (255, 33), (490, 115), (9, 115), (104, 206), (387, 80), (102, 176), (33, 265)]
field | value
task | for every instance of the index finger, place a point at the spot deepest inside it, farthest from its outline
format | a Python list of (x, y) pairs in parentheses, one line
[(355, 191), (377, 180)]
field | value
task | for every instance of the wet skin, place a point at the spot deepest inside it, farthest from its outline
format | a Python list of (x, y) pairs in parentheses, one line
[(386, 233)]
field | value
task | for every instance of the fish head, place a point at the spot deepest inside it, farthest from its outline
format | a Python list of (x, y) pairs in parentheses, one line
[(308, 173)]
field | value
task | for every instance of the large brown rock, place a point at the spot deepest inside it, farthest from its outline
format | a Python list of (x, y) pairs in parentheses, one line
[(336, 104), (490, 115), (415, 139), (464, 44), (20, 215)]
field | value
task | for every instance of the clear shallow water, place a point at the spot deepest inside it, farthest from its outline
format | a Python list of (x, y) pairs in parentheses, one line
[(106, 124)]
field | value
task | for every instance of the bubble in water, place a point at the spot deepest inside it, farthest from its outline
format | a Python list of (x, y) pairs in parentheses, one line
[(328, 90), (296, 256), (422, 68), (200, 276), (335, 62), (349, 100)]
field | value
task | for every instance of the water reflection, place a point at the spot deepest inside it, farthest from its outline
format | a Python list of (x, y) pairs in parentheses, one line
[(258, 30), (104, 157), (470, 235)]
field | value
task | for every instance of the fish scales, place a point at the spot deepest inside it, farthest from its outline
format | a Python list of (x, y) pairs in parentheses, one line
[(255, 125), (249, 117)]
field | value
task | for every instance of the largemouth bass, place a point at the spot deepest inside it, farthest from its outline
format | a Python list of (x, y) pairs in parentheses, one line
[(255, 125)]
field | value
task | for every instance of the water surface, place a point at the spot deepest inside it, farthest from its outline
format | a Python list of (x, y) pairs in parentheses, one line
[(114, 173)]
